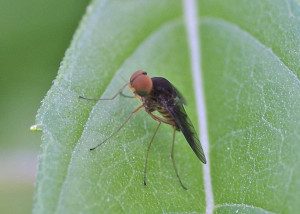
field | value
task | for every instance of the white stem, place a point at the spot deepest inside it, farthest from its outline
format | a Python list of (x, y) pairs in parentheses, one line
[(191, 22)]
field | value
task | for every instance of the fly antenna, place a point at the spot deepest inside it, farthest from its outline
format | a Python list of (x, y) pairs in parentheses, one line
[(120, 92)]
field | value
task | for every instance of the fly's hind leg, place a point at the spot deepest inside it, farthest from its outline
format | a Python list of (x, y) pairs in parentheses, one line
[(173, 160)]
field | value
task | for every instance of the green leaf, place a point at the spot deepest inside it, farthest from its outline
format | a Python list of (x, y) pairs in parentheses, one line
[(251, 69)]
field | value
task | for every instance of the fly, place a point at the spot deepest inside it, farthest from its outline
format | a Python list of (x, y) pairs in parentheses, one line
[(158, 94)]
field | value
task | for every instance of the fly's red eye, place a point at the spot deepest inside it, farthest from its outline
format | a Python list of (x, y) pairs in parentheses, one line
[(136, 74), (141, 83)]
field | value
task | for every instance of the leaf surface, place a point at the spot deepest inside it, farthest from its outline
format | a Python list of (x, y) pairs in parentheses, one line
[(251, 83)]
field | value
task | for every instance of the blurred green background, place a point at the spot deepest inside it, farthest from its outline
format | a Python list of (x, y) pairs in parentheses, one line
[(33, 38)]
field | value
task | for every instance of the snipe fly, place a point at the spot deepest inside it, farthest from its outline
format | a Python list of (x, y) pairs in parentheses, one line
[(158, 94)]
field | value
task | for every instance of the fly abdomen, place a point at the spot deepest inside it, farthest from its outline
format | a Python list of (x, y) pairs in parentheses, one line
[(166, 115)]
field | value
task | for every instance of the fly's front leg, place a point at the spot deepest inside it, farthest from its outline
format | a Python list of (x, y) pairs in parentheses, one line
[(117, 130)]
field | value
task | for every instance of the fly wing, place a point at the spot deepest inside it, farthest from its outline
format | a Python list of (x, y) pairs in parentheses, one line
[(171, 99), (179, 96), (186, 127)]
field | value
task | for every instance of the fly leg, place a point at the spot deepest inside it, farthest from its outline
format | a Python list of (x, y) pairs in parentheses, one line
[(173, 160), (120, 92), (118, 129), (147, 154)]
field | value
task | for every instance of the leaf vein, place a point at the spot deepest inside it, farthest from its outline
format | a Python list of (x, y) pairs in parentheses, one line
[(228, 23)]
